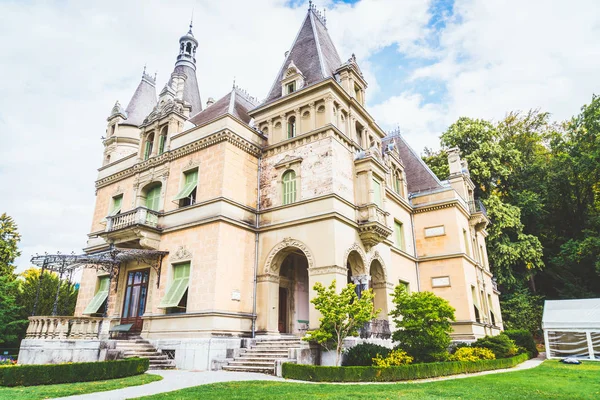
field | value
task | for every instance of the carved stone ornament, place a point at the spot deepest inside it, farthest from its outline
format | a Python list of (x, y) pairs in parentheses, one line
[(356, 247), (276, 256), (379, 276), (182, 253)]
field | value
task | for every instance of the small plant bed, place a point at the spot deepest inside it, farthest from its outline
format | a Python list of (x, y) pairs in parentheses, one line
[(551, 380), (50, 374), (71, 389), (316, 373)]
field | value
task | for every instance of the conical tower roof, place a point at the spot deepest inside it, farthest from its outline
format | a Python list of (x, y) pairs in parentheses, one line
[(312, 52), (143, 101), (186, 65)]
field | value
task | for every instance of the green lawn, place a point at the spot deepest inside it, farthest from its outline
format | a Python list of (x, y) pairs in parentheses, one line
[(551, 380), (70, 389)]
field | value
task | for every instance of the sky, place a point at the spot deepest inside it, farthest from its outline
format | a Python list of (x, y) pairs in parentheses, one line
[(63, 64)]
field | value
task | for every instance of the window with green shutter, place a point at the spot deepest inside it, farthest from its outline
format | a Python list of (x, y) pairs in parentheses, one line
[(289, 187), (161, 143), (117, 203), (405, 285), (399, 235), (178, 287), (153, 198), (100, 296), (187, 194), (148, 148), (377, 192), (291, 127)]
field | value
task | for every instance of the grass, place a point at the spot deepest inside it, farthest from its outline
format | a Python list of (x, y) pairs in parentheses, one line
[(551, 380), (70, 389)]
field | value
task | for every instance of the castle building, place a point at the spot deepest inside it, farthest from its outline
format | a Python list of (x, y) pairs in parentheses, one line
[(248, 204)]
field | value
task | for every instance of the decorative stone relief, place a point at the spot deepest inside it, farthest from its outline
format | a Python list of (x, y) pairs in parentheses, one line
[(356, 247), (272, 267), (182, 253)]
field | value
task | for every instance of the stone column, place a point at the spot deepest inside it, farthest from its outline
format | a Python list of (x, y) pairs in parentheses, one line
[(329, 110), (313, 115), (298, 121), (284, 128), (267, 301)]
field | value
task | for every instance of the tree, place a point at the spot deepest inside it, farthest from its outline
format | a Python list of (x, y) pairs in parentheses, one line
[(423, 324), (342, 314), (28, 288), (12, 323), (9, 240), (522, 310)]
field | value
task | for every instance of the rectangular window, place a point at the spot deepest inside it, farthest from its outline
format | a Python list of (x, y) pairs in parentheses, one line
[(178, 287), (117, 203), (377, 192), (289, 187), (291, 87), (406, 286), (481, 256), (399, 235), (476, 304), (467, 250), (187, 194), (491, 307), (153, 198), (100, 296)]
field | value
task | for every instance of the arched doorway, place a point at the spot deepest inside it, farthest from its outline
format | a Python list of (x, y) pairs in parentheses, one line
[(356, 272), (379, 286), (293, 304)]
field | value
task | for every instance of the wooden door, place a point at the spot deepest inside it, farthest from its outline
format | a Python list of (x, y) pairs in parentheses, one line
[(134, 303), (283, 306)]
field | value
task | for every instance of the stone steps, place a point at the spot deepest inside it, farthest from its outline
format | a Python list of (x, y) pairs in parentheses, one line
[(143, 349), (262, 355)]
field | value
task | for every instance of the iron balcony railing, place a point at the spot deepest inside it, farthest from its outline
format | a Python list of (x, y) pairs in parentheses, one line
[(137, 216), (476, 206)]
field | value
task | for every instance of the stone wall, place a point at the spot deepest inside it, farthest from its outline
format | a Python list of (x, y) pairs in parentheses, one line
[(44, 351)]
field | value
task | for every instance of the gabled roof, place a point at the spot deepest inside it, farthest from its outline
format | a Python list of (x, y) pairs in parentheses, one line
[(235, 103), (143, 101), (418, 175), (312, 52)]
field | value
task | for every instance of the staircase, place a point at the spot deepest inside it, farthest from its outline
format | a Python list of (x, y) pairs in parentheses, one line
[(138, 347), (261, 356)]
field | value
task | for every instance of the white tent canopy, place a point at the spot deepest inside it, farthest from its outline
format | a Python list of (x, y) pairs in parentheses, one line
[(572, 328)]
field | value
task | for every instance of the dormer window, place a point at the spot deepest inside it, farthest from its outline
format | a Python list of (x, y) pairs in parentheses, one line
[(290, 87), (291, 80)]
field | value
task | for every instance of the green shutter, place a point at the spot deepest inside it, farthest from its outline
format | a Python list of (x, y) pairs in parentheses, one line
[(291, 129), (177, 288), (117, 202), (377, 192), (289, 187), (191, 181), (147, 150), (161, 144), (153, 198), (99, 297), (399, 235)]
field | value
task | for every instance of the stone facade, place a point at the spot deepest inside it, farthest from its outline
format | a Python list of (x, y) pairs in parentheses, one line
[(301, 189)]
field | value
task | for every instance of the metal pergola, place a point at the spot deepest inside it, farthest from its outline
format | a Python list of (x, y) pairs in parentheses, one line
[(108, 261)]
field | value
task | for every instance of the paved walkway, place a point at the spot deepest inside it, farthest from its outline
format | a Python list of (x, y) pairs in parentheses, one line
[(175, 380)]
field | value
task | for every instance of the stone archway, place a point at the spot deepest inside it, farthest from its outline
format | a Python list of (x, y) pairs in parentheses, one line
[(283, 289), (355, 264)]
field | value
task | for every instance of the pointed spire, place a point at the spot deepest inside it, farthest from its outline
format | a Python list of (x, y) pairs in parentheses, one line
[(186, 67)]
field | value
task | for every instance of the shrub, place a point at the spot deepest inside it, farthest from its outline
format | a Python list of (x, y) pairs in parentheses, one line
[(458, 345), (472, 354), (395, 358), (48, 374), (501, 345), (423, 322), (523, 338), (363, 354), (317, 373)]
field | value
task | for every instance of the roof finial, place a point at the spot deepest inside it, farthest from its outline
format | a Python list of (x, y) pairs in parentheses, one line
[(310, 5), (144, 73), (233, 83), (324, 17), (191, 21)]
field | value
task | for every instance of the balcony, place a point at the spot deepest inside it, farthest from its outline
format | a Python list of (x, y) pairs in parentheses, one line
[(139, 227), (372, 225), (479, 218)]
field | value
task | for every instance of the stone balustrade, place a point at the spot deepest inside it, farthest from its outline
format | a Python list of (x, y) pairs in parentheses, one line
[(72, 328)]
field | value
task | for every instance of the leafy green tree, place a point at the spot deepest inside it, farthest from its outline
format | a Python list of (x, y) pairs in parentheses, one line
[(342, 314), (522, 310), (12, 323), (29, 280), (9, 240), (423, 324)]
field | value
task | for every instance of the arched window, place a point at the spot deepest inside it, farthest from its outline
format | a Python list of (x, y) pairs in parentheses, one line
[(153, 198), (289, 187), (149, 144), (162, 140), (188, 48), (291, 127)]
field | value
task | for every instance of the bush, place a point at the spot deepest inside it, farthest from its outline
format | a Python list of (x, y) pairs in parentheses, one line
[(472, 354), (458, 345), (523, 338), (395, 358), (48, 374), (363, 354), (501, 345), (317, 373)]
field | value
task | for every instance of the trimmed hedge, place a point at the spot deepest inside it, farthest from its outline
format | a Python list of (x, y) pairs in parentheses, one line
[(49, 374), (317, 373)]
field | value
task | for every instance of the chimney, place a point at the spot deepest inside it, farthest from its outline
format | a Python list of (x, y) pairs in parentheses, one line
[(209, 102)]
